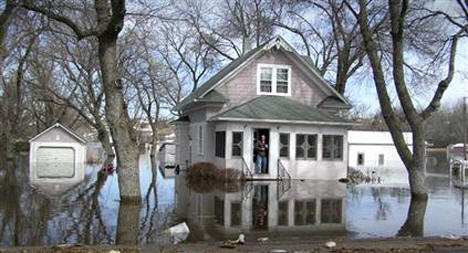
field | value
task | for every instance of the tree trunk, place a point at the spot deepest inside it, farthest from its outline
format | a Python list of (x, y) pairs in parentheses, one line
[(417, 171), (117, 116), (414, 224), (127, 225)]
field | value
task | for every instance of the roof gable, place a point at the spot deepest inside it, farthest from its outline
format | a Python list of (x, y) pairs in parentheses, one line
[(65, 129), (277, 43)]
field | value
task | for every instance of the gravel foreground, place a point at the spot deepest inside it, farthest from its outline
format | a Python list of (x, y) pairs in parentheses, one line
[(390, 245)]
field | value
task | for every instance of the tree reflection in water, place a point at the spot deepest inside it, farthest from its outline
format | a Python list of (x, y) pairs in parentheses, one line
[(414, 224), (90, 213)]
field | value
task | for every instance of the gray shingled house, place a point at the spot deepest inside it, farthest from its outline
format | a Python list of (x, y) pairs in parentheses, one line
[(273, 91)]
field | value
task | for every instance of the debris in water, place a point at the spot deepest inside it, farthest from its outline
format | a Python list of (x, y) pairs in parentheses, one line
[(179, 232), (343, 180), (262, 239), (228, 245), (240, 240), (451, 237), (114, 251), (330, 244), (277, 251)]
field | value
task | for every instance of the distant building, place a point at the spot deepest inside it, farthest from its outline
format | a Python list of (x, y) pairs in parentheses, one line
[(374, 153), (57, 155)]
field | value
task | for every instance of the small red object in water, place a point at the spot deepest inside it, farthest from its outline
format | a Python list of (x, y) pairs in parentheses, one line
[(108, 169)]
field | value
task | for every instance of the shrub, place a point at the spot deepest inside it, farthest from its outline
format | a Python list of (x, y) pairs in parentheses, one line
[(205, 177), (202, 170)]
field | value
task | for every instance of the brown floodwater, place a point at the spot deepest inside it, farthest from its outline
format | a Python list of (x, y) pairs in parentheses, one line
[(91, 212)]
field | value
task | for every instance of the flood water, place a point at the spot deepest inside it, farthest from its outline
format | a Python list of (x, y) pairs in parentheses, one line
[(91, 213)]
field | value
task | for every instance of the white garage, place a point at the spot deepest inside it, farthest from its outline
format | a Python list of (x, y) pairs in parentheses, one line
[(374, 153), (57, 155)]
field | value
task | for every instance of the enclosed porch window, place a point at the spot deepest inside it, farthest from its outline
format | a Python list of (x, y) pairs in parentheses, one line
[(332, 148), (306, 146), (284, 145), (237, 143), (220, 146)]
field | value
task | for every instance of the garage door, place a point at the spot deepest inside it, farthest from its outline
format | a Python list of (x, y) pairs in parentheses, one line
[(55, 162)]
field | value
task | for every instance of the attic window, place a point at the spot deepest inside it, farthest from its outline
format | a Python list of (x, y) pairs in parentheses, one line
[(274, 79)]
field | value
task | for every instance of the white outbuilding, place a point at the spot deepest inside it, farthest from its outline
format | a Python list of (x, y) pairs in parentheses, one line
[(57, 155), (375, 154)]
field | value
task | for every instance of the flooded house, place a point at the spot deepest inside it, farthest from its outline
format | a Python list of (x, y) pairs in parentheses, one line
[(375, 154), (270, 91), (57, 159)]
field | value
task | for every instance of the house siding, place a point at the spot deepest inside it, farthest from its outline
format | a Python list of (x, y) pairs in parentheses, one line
[(56, 135), (243, 86)]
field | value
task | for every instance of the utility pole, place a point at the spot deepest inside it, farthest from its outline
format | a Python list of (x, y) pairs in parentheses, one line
[(464, 129)]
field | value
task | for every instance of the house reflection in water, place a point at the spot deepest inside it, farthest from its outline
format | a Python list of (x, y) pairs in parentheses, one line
[(274, 209)]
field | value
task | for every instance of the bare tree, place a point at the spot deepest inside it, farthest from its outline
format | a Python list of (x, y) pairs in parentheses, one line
[(109, 21), (232, 27), (330, 35), (399, 46)]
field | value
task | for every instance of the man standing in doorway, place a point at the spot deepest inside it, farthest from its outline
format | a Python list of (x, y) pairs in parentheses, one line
[(261, 147)]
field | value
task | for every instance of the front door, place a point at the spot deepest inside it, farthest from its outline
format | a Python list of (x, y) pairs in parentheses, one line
[(261, 157)]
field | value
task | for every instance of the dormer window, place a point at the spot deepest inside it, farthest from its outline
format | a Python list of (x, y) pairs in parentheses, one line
[(274, 79)]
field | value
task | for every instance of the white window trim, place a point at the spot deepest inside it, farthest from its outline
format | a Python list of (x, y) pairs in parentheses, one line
[(274, 68)]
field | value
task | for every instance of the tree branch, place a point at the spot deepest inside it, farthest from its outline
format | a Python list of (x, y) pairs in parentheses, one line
[(443, 85)]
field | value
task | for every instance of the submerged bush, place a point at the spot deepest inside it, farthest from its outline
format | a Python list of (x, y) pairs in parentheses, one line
[(206, 177), (202, 170)]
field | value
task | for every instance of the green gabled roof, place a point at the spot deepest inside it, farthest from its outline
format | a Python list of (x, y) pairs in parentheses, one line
[(333, 102), (278, 108)]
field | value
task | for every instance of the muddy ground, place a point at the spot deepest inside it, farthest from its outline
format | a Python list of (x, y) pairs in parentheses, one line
[(389, 245)]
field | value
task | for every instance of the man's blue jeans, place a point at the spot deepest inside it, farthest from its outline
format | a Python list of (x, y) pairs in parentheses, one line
[(261, 164)]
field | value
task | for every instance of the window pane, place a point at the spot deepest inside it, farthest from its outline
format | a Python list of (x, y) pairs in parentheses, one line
[(220, 147), (300, 139), (265, 86), (283, 211), (282, 80), (266, 74), (237, 143), (237, 137), (300, 153), (236, 214), (310, 219), (331, 211), (381, 159), (327, 146), (282, 87), (236, 151), (284, 139), (304, 212), (312, 152), (300, 150), (219, 210), (266, 77), (360, 159), (282, 75), (284, 145), (284, 152), (337, 147)]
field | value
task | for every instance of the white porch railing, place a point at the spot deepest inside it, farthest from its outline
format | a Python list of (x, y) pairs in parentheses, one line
[(284, 180), (283, 173), (246, 170)]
